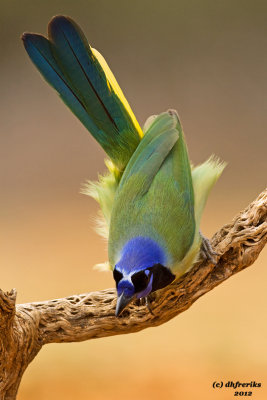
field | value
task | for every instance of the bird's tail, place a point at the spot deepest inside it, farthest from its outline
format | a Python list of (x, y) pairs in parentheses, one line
[(87, 86), (204, 178)]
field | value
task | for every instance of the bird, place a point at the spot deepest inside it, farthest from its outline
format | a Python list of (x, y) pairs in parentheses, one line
[(151, 197)]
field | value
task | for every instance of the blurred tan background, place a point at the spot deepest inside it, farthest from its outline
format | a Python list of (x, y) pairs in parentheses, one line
[(207, 60)]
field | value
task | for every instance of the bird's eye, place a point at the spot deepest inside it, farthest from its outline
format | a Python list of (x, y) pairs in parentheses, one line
[(140, 281), (117, 275)]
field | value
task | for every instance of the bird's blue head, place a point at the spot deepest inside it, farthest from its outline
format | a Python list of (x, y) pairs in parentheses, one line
[(140, 270)]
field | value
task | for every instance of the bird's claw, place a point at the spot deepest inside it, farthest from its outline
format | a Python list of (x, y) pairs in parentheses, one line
[(145, 301), (148, 303), (206, 251)]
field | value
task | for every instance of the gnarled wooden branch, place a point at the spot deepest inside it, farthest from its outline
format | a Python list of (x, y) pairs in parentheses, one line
[(26, 328)]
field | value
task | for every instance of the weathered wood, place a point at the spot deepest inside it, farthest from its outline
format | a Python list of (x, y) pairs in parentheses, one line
[(26, 328)]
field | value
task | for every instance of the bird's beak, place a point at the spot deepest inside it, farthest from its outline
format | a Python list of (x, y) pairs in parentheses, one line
[(122, 302)]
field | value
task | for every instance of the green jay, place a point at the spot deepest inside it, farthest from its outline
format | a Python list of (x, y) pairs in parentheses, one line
[(151, 198)]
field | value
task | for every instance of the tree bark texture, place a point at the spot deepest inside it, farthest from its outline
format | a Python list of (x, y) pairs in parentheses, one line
[(25, 328)]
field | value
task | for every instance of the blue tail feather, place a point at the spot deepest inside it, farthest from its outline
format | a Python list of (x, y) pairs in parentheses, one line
[(39, 50), (74, 70)]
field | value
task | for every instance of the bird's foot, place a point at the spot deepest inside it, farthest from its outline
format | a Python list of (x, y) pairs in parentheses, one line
[(206, 251), (148, 304), (146, 301)]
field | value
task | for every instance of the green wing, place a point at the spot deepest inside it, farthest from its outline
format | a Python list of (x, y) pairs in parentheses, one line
[(155, 197), (85, 83), (151, 152)]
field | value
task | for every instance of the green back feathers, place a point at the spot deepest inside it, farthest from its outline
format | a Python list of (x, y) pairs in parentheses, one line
[(155, 196), (85, 83)]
